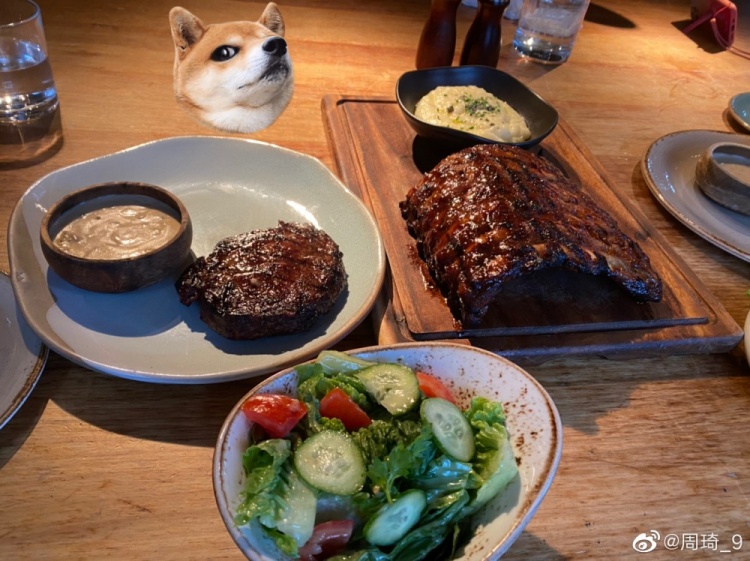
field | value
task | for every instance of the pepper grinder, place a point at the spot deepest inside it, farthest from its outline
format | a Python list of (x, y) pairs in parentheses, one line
[(482, 44), (437, 43)]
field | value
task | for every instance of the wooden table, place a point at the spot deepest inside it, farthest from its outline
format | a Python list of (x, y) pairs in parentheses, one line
[(96, 467)]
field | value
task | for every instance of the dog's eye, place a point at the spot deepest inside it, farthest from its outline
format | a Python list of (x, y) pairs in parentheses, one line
[(225, 52)]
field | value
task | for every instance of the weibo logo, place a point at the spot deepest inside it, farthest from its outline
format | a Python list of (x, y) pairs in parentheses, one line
[(644, 543)]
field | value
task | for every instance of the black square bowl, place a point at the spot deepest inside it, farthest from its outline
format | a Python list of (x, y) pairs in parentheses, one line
[(540, 116)]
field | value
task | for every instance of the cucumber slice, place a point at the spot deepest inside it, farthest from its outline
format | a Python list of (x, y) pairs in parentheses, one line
[(393, 386), (452, 430), (332, 462), (394, 520), (336, 361)]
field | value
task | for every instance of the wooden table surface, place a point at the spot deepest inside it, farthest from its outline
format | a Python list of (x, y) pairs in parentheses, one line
[(95, 467)]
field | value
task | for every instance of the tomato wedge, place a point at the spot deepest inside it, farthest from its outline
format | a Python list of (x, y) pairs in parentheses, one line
[(276, 413), (337, 404), (432, 387), (328, 538)]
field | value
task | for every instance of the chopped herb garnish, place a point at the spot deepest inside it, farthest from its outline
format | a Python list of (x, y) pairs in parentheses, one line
[(477, 106)]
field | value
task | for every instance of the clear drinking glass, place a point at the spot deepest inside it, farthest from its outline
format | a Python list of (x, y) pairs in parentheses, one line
[(547, 29), (29, 109)]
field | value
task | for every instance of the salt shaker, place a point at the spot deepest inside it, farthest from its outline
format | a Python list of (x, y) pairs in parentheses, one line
[(482, 44), (437, 43)]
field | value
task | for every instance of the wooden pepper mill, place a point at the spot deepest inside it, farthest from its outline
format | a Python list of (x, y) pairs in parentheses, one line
[(482, 44), (437, 43)]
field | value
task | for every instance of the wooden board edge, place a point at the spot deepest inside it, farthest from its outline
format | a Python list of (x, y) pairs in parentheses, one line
[(337, 132), (396, 331)]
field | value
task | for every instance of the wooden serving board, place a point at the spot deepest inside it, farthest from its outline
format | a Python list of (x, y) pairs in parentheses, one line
[(548, 315)]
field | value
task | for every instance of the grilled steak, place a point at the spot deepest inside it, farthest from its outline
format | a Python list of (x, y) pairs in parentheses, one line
[(266, 282), (491, 213)]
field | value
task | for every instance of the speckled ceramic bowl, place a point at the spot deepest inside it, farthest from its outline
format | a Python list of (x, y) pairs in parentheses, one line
[(723, 174), (112, 270), (532, 420)]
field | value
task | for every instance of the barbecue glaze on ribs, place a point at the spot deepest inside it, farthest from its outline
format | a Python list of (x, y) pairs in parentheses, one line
[(492, 213)]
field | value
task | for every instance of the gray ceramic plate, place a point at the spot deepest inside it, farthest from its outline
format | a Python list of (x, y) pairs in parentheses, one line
[(228, 186), (22, 351), (739, 107), (669, 169)]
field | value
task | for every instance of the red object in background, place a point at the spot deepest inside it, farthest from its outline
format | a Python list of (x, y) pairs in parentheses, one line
[(722, 16), (277, 414)]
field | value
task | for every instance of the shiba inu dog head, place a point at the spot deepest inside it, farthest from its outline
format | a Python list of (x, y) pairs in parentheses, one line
[(235, 76)]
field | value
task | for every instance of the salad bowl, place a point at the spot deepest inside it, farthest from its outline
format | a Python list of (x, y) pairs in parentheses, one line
[(532, 421)]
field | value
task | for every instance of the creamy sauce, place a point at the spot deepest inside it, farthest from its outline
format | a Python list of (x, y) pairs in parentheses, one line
[(117, 232), (474, 110)]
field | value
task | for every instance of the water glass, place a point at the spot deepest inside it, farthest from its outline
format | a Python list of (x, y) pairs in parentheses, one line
[(547, 29), (29, 109), (513, 11)]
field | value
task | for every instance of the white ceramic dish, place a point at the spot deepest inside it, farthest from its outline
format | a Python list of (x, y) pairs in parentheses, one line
[(532, 419), (739, 108), (22, 351), (669, 170), (228, 186)]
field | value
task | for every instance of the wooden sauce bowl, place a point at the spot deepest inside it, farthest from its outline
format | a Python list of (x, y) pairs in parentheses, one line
[(108, 267)]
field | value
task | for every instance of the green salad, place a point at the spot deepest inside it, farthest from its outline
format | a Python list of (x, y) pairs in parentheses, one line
[(370, 462)]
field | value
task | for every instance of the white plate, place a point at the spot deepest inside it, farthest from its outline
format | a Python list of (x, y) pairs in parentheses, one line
[(228, 186), (532, 419), (739, 108), (22, 351), (669, 169)]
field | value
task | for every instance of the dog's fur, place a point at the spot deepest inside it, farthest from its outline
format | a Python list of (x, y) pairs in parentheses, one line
[(224, 77)]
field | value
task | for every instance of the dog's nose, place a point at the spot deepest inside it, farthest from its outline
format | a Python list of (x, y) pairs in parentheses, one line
[(275, 46)]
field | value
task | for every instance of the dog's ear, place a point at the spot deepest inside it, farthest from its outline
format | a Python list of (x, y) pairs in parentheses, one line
[(186, 30), (271, 18)]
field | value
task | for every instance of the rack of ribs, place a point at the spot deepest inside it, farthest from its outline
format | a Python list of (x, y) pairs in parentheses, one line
[(492, 213)]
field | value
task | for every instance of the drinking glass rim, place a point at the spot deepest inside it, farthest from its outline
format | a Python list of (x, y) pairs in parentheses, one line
[(33, 16)]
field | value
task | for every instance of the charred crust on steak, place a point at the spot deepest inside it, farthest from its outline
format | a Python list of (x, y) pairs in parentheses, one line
[(266, 282), (491, 213)]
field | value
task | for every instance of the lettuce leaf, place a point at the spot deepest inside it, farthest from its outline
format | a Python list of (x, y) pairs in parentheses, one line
[(494, 462), (276, 496), (378, 439), (487, 419), (448, 475), (262, 464)]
